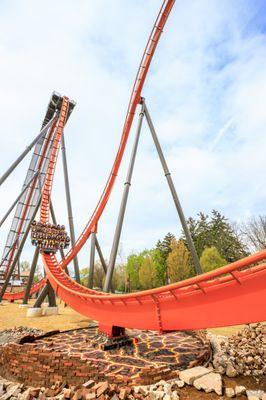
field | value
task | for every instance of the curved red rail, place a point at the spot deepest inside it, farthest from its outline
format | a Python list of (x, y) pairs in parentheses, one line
[(226, 296), (133, 102), (12, 296)]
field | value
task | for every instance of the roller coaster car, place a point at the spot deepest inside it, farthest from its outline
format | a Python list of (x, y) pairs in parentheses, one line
[(49, 237)]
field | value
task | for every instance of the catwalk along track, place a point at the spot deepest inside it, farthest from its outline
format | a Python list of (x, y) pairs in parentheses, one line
[(231, 295)]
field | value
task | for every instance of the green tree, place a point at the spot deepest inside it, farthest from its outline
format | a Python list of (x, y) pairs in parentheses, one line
[(98, 275), (119, 278), (218, 232), (225, 239), (200, 232), (24, 266), (134, 262), (164, 248), (148, 273), (84, 272), (179, 262), (211, 259), (160, 266)]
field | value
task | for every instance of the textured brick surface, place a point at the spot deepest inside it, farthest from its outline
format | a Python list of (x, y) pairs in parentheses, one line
[(76, 356)]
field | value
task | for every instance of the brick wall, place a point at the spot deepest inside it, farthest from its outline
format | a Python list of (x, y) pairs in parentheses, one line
[(23, 363)]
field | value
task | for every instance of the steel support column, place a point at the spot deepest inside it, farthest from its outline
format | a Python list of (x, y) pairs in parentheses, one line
[(173, 191), (18, 198), (31, 276), (41, 297), (111, 265), (16, 258), (7, 254), (51, 295), (25, 152), (69, 207), (100, 254), (92, 259)]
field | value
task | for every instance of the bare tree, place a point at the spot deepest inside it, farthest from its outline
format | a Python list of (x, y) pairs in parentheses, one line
[(98, 275), (254, 232)]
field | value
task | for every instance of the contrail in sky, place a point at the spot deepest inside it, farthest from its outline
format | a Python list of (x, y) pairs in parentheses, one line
[(221, 133)]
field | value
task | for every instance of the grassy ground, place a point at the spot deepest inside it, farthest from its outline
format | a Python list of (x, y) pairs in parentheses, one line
[(11, 315)]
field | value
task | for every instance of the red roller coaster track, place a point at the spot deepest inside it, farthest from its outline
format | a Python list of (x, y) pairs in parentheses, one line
[(233, 294)]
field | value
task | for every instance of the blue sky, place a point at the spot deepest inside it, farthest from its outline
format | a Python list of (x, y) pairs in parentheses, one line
[(206, 92)]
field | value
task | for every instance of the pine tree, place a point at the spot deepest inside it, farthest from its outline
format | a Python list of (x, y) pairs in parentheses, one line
[(216, 231), (165, 245), (164, 248)]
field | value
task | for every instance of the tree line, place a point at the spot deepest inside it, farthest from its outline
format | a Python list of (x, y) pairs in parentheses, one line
[(217, 241)]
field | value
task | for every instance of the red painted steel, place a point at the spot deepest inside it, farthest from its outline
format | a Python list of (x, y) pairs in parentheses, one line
[(11, 296), (210, 300), (19, 295), (227, 296), (133, 102), (29, 196)]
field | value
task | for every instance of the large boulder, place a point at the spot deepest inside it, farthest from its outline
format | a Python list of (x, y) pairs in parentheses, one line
[(189, 375), (211, 382)]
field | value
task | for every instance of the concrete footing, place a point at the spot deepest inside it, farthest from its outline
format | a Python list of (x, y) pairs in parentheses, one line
[(34, 312), (23, 306), (51, 311)]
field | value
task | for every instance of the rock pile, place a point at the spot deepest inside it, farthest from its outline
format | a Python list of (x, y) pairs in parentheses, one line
[(88, 391), (243, 353), (14, 335), (200, 378)]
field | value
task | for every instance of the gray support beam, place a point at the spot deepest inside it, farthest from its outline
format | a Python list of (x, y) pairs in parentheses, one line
[(16, 258), (69, 207), (173, 191), (7, 254), (18, 198), (41, 297), (19, 269), (111, 265), (31, 276), (51, 295), (100, 254), (92, 260), (26, 151)]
